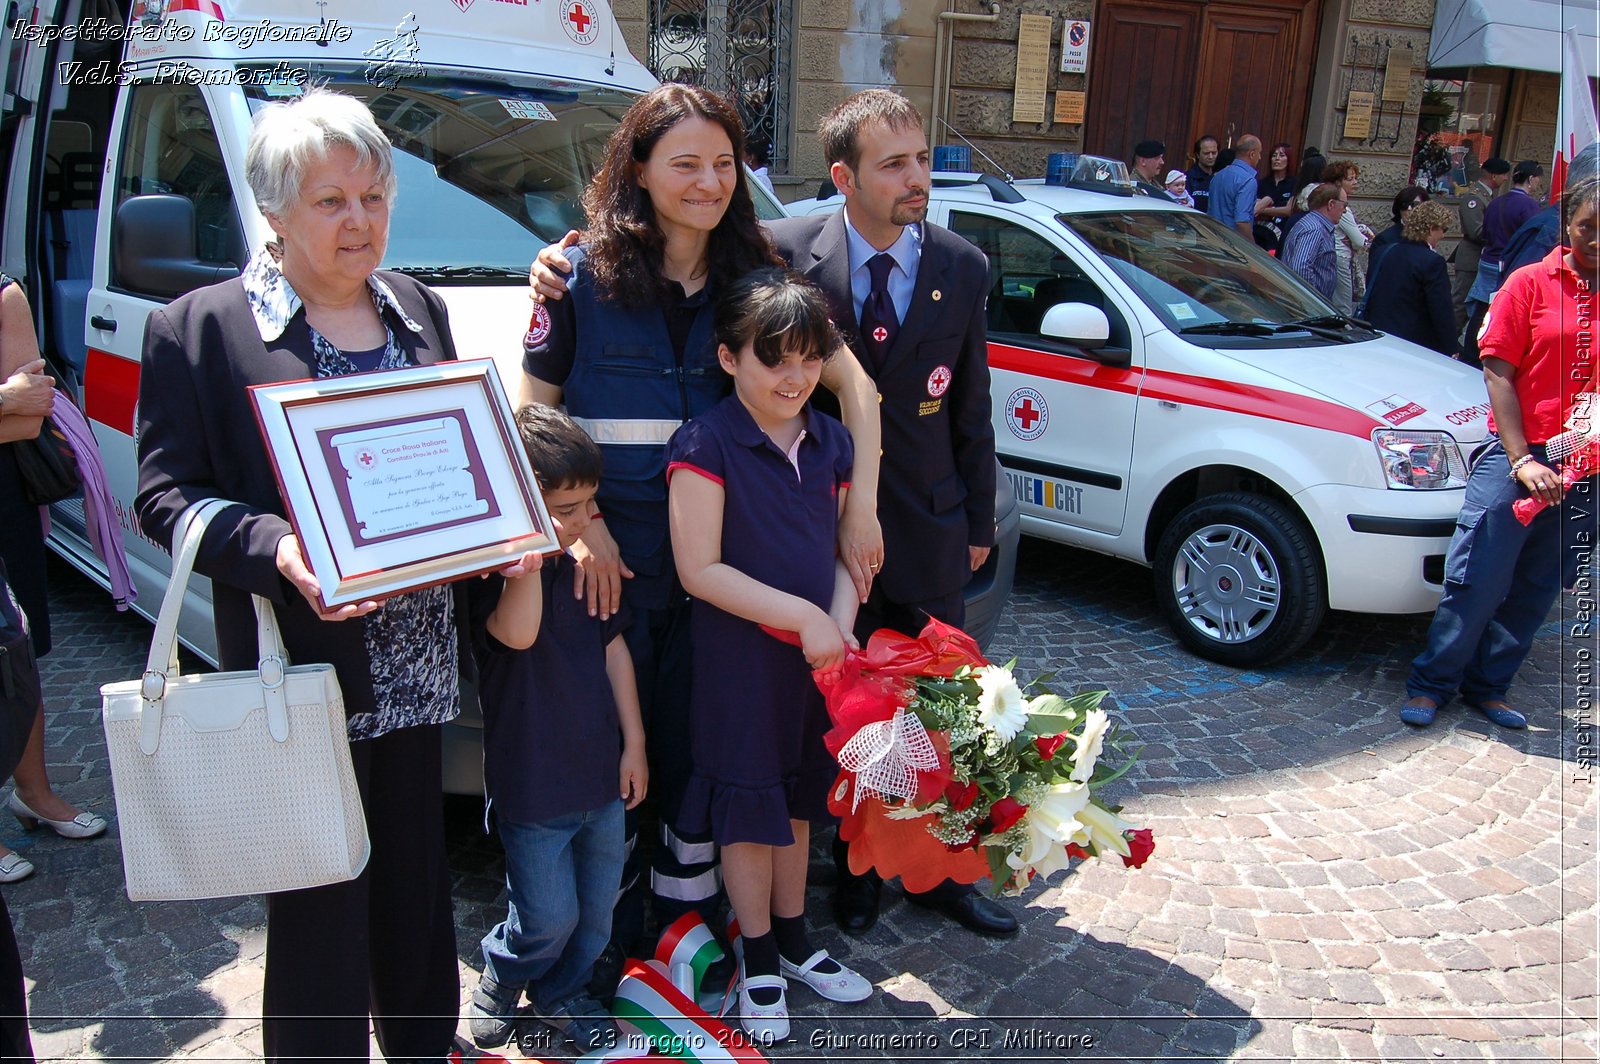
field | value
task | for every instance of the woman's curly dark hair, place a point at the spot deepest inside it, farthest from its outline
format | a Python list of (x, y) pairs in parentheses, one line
[(625, 244)]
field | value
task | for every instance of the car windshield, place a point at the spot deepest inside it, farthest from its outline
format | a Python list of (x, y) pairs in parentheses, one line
[(487, 172), (1193, 272)]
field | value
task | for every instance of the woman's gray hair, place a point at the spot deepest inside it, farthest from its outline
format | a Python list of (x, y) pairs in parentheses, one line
[(289, 137)]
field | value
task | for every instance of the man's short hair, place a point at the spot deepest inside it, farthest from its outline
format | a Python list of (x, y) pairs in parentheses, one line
[(1323, 195), (561, 453), (1246, 144), (1495, 165), (840, 131), (1205, 138), (1523, 171), (1149, 149)]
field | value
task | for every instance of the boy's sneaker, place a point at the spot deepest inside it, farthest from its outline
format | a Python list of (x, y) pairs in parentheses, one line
[(492, 1016), (607, 974), (586, 1024)]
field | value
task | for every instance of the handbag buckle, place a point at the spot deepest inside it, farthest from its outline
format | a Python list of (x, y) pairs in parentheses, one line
[(271, 669), (153, 686)]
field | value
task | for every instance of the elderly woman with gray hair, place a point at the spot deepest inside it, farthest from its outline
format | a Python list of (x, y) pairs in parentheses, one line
[(313, 304)]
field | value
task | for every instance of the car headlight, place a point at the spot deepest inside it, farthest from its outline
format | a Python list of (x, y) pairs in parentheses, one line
[(1420, 460)]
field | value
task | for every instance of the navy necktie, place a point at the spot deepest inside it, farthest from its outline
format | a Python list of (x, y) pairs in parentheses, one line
[(879, 323)]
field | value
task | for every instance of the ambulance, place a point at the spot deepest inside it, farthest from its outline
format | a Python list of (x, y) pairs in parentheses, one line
[(1167, 393), (123, 140)]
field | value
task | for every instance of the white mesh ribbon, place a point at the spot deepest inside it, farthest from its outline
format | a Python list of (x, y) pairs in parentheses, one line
[(886, 755)]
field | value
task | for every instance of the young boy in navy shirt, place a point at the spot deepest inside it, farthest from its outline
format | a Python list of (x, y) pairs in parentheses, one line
[(563, 755)]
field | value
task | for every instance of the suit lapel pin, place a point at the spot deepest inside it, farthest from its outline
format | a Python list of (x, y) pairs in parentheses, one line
[(937, 295)]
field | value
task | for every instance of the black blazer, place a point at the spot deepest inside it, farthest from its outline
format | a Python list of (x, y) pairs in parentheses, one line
[(936, 488), (198, 439), (1409, 296)]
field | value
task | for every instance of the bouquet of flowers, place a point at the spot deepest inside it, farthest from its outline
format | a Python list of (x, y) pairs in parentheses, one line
[(1577, 451), (949, 768)]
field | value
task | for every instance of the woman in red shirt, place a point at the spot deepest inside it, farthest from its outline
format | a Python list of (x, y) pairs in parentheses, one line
[(1501, 576)]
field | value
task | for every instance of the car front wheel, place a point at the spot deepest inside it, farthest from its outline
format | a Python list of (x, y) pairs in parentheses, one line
[(1240, 579)]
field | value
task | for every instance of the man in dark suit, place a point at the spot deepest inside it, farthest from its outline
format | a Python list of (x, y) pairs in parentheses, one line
[(908, 296)]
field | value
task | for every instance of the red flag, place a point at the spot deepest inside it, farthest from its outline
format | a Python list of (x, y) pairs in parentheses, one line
[(1576, 125)]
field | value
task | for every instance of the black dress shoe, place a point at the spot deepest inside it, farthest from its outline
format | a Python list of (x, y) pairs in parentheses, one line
[(855, 902), (968, 908)]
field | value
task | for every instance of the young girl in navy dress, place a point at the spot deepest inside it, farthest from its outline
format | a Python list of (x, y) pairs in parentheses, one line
[(757, 484)]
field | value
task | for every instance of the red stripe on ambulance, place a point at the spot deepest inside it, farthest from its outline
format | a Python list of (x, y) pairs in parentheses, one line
[(1186, 390), (110, 390)]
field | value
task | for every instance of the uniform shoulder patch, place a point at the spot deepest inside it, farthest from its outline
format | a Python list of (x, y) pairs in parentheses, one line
[(538, 326)]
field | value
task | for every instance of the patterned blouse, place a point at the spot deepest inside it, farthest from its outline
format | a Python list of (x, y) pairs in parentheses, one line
[(411, 641)]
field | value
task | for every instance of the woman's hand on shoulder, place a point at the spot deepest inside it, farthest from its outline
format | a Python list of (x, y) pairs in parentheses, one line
[(547, 277), (601, 571), (292, 564), (30, 391)]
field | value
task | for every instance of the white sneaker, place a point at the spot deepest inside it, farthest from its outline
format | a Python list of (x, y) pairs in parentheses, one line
[(842, 985), (765, 1024)]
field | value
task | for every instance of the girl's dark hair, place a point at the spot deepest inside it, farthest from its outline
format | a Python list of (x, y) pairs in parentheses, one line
[(1407, 198), (775, 311), (1310, 170), (624, 242), (561, 453)]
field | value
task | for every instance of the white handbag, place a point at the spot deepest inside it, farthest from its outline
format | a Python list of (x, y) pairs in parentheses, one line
[(230, 783)]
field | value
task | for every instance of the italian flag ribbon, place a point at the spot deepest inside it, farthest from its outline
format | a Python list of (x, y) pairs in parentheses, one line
[(648, 1005)]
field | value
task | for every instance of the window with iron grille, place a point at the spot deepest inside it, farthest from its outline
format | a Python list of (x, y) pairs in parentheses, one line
[(740, 48)]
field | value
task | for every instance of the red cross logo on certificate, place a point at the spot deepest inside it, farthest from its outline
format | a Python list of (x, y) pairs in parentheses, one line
[(880, 334), (366, 458), (579, 22)]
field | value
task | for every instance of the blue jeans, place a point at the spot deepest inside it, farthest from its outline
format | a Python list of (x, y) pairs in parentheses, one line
[(1501, 578), (562, 877)]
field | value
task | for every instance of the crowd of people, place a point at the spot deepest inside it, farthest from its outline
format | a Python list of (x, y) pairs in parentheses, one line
[(686, 342)]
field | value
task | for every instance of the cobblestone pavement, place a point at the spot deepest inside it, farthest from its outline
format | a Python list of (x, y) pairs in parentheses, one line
[(1327, 884)]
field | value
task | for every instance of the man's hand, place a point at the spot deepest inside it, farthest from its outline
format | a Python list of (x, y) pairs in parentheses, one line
[(292, 564), (1263, 203), (547, 277), (30, 392), (601, 571), (861, 547), (976, 556)]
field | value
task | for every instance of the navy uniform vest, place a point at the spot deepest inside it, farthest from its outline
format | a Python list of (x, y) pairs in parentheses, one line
[(630, 392)]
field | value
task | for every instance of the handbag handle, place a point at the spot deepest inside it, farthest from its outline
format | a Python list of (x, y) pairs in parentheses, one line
[(272, 666)]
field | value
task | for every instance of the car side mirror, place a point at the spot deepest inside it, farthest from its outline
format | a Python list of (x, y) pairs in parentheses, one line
[(1077, 323), (153, 241)]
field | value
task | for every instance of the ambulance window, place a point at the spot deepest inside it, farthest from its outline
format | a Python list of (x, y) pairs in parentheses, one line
[(170, 146), (1027, 276)]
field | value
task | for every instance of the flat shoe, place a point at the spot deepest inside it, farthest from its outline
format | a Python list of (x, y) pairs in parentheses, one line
[(842, 985), (1502, 714), (82, 826), (14, 866), (765, 1024), (1418, 716)]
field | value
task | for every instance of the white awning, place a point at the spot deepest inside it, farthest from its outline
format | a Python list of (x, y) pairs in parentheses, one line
[(1525, 34)]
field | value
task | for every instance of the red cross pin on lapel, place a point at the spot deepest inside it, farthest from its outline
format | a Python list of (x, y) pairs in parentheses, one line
[(880, 334)]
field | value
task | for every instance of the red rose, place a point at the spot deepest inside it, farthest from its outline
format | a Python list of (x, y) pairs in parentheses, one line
[(1005, 813), (1049, 744), (958, 847), (1074, 850), (960, 795), (1141, 844)]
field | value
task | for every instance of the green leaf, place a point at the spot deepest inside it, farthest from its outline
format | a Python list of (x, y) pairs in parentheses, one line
[(1047, 724), (999, 871)]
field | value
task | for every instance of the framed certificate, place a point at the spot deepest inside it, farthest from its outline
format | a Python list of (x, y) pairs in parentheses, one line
[(402, 479)]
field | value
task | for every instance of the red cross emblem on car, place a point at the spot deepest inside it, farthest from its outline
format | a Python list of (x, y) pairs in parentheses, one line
[(1027, 413), (579, 17)]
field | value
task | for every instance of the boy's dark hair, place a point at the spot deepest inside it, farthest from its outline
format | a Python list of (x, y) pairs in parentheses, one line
[(562, 454), (776, 311), (840, 131)]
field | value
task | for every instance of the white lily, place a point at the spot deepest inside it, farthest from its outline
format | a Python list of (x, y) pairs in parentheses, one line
[(1088, 743), (1000, 705), (1104, 828), (1051, 822)]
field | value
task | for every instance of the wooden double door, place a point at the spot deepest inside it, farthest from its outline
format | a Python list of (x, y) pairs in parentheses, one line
[(1177, 69)]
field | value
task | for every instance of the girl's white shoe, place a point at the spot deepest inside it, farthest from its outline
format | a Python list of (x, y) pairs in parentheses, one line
[(842, 985), (765, 1024)]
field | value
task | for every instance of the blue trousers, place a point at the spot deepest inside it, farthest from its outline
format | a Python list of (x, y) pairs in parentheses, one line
[(1501, 578), (562, 877)]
